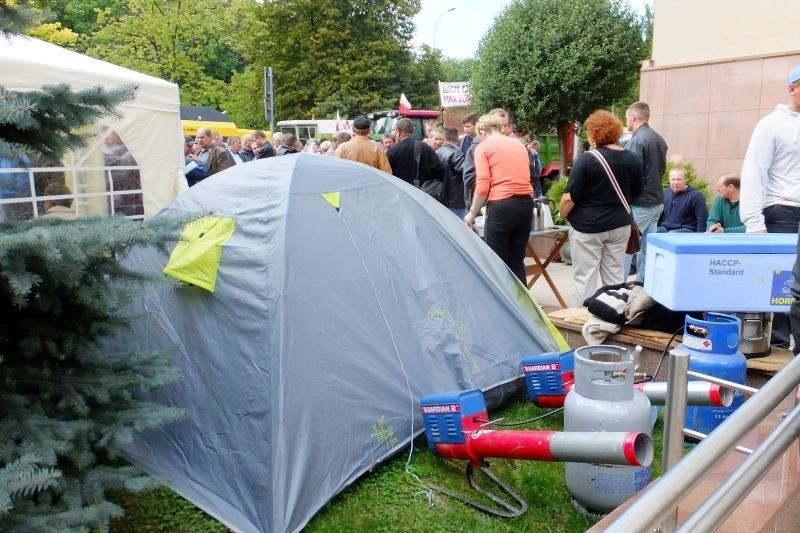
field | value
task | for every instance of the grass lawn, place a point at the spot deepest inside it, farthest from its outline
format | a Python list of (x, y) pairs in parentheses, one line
[(392, 498)]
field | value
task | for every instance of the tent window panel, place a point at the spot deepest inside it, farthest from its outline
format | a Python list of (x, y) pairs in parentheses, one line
[(101, 179), (15, 194), (117, 154), (20, 188)]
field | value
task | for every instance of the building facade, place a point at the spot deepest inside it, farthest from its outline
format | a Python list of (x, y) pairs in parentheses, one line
[(717, 67)]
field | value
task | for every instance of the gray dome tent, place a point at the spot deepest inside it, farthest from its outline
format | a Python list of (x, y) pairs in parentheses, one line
[(342, 297)]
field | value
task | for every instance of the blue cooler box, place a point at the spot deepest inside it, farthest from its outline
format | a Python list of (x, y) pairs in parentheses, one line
[(721, 272)]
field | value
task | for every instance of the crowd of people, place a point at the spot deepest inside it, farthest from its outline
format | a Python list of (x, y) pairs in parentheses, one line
[(766, 198), (488, 169), (452, 167)]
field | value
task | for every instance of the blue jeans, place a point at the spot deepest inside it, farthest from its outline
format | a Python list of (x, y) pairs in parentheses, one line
[(646, 218), (460, 212)]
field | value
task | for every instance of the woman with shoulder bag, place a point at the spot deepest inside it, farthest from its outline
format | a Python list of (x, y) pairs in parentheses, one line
[(601, 186)]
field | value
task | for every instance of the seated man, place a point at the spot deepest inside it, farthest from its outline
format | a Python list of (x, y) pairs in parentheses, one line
[(58, 207), (724, 216), (193, 169), (684, 207)]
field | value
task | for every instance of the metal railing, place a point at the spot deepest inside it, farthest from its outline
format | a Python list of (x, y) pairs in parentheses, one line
[(657, 507)]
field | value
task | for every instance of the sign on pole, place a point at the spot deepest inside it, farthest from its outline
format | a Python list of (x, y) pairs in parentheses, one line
[(454, 93)]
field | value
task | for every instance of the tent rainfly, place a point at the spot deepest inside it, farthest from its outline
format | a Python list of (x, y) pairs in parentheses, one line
[(341, 295)]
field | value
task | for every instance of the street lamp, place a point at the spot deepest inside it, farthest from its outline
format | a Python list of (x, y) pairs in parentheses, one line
[(437, 24)]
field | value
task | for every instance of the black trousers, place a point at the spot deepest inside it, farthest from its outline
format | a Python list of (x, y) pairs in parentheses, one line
[(784, 219), (507, 230)]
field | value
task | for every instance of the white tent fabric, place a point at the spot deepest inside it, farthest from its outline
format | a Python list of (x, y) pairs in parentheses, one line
[(150, 125), (343, 296)]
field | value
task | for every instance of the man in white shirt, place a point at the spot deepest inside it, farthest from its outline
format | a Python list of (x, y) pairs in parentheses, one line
[(234, 147), (770, 194)]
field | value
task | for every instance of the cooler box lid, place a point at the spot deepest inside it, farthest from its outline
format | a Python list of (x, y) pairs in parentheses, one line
[(725, 243)]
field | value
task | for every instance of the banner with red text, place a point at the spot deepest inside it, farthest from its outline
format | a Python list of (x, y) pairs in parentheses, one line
[(454, 93)]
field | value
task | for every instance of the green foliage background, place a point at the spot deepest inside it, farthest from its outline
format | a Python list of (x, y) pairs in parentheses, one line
[(351, 56), (693, 178), (548, 61), (556, 61), (553, 62)]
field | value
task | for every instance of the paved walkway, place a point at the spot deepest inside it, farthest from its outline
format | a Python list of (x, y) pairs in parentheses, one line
[(562, 278)]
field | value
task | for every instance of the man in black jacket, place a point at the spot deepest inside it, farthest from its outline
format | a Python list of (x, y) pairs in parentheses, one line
[(261, 146), (652, 150), (452, 160), (405, 164)]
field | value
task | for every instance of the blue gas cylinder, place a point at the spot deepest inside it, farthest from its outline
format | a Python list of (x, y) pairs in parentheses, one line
[(713, 346)]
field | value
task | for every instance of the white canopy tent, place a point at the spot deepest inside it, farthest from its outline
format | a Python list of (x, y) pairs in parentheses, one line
[(150, 125)]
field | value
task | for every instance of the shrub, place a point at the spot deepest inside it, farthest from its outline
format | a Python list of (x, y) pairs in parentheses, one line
[(554, 197), (693, 179)]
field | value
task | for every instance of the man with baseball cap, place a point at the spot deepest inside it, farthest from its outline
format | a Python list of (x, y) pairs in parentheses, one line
[(770, 194), (363, 149)]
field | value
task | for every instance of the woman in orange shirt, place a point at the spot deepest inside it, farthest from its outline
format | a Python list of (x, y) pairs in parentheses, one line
[(503, 183)]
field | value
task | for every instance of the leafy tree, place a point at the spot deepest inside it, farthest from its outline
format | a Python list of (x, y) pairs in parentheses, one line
[(55, 33), (351, 56), (14, 18), (623, 100), (552, 62), (79, 17), (64, 401), (245, 99), (425, 72), (188, 42), (648, 19), (346, 55), (457, 69)]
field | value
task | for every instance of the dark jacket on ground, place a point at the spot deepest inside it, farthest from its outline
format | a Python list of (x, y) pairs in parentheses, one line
[(404, 165), (652, 151), (684, 210), (452, 160)]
